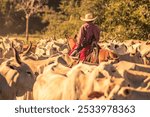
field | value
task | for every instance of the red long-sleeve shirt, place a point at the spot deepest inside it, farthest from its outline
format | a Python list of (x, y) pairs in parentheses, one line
[(87, 31)]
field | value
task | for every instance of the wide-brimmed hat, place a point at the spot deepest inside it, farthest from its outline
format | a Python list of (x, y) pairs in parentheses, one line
[(88, 17)]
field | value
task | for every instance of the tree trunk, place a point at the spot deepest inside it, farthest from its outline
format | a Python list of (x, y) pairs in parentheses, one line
[(27, 28)]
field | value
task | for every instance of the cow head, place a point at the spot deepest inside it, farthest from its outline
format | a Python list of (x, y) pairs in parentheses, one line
[(85, 82), (120, 49), (18, 74), (136, 57)]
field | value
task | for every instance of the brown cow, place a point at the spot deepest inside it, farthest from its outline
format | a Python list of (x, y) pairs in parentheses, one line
[(105, 55)]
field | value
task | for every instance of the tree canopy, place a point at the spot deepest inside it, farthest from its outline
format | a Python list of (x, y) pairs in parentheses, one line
[(118, 19)]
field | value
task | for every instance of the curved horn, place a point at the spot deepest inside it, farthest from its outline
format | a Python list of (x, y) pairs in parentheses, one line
[(12, 45), (16, 55), (28, 49), (3, 45)]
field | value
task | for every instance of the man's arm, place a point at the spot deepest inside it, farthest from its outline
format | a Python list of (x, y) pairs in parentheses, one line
[(80, 36), (97, 34)]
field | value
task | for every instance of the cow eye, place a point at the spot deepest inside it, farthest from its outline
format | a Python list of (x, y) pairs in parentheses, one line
[(28, 72), (12, 67), (113, 70), (132, 54), (116, 46)]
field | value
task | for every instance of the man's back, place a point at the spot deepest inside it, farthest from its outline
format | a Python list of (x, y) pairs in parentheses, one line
[(88, 34), (88, 31)]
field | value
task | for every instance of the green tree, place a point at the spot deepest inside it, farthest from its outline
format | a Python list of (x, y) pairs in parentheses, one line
[(123, 21), (30, 7), (118, 19), (55, 19), (66, 21), (71, 10), (7, 10)]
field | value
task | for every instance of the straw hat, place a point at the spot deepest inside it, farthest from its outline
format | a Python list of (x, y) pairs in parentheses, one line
[(88, 17)]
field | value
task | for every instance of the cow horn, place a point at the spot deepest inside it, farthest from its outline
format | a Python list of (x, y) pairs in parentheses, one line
[(12, 44), (28, 49), (16, 55)]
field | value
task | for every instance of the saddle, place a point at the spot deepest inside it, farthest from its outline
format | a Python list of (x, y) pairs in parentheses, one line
[(92, 55)]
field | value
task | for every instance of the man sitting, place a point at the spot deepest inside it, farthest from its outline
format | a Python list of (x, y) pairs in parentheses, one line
[(88, 35)]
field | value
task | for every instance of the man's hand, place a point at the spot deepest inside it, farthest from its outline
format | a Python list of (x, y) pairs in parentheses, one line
[(94, 44)]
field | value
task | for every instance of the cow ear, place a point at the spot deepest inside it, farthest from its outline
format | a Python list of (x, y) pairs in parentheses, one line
[(136, 50), (125, 46), (13, 81), (62, 61), (148, 43), (12, 66), (13, 76)]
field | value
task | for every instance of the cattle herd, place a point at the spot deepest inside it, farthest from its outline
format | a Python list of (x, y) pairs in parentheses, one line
[(45, 71)]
